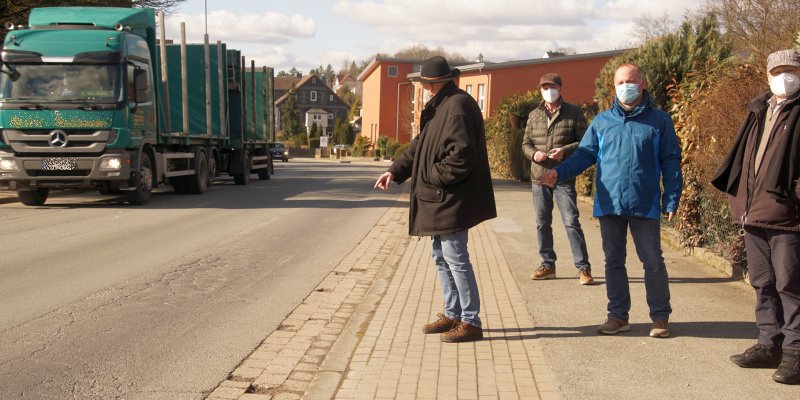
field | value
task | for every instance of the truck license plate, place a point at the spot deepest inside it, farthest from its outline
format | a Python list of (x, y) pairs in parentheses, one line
[(59, 164)]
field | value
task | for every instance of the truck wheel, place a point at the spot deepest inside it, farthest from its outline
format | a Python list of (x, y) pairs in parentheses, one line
[(35, 197), (212, 168), (243, 178), (198, 183), (140, 195), (265, 173)]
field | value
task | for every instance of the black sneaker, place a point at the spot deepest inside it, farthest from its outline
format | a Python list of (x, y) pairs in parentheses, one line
[(789, 370), (759, 356)]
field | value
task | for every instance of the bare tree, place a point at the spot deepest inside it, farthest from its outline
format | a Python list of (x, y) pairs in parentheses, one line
[(166, 6), (759, 27), (17, 11), (421, 52), (650, 27)]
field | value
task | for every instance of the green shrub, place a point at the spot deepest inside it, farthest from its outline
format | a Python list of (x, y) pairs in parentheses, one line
[(361, 146), (391, 148)]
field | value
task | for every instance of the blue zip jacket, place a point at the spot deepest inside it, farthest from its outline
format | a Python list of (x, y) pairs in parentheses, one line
[(633, 153)]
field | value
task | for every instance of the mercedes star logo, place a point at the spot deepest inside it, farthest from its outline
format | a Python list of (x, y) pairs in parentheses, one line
[(58, 138)]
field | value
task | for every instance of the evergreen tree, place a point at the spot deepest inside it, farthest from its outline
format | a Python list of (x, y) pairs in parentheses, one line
[(291, 123), (314, 131), (669, 59), (342, 132)]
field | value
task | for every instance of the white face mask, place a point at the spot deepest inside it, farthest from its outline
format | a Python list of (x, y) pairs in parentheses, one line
[(784, 84), (550, 95), (627, 93)]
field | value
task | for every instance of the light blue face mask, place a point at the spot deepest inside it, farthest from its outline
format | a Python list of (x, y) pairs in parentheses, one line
[(627, 93)]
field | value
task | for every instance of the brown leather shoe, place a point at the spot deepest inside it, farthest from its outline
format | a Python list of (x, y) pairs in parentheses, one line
[(612, 326), (543, 272), (464, 332), (585, 277), (443, 324)]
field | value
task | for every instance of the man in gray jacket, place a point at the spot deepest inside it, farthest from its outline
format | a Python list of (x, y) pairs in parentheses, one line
[(553, 132)]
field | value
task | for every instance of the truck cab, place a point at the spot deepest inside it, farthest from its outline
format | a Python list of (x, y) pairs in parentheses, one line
[(77, 101)]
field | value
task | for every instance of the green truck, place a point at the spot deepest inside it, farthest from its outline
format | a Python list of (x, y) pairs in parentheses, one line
[(89, 98)]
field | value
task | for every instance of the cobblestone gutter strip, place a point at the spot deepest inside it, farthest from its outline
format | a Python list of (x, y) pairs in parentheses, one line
[(312, 347)]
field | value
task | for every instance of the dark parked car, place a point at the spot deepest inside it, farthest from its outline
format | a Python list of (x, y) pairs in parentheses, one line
[(279, 151)]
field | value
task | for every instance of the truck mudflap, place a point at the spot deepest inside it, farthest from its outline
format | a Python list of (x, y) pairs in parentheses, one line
[(63, 170)]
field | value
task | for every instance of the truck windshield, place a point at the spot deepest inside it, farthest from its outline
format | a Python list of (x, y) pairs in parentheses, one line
[(62, 82)]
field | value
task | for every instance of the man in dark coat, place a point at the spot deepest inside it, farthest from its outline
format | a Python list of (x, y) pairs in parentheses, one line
[(451, 191), (760, 177)]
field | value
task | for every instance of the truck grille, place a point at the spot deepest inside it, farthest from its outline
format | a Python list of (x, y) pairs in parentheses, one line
[(77, 172), (39, 141)]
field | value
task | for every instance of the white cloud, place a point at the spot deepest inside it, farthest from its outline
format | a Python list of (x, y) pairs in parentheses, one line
[(265, 28), (508, 29)]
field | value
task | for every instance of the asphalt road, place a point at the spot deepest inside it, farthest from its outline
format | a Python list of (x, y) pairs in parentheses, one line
[(101, 300)]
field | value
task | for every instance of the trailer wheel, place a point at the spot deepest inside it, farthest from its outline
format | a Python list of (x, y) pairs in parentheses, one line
[(242, 179), (198, 183), (35, 197), (144, 183), (265, 173), (213, 169)]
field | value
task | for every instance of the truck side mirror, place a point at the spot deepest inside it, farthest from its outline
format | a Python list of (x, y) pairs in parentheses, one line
[(141, 86)]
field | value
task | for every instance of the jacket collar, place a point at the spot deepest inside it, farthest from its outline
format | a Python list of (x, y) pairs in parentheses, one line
[(760, 102), (442, 95), (647, 103)]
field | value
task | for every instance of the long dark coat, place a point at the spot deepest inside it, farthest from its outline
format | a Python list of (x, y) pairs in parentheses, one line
[(771, 198), (451, 186)]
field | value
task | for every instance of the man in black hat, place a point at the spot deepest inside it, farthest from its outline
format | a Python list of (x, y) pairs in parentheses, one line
[(451, 191), (760, 176), (552, 134)]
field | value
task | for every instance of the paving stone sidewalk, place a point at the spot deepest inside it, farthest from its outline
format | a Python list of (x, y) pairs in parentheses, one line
[(358, 335)]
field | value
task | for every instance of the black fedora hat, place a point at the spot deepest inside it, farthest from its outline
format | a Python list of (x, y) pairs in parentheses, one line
[(436, 69)]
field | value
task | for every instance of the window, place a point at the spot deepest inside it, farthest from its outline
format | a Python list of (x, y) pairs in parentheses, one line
[(469, 90), (392, 71), (313, 95), (330, 116), (331, 97), (481, 95)]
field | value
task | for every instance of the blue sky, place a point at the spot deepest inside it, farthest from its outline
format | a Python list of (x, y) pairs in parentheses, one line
[(308, 33)]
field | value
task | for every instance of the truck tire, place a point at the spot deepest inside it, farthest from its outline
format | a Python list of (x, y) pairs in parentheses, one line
[(265, 173), (198, 183), (35, 197), (140, 195), (244, 177), (213, 168)]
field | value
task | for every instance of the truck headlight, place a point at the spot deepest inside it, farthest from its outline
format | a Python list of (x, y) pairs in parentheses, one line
[(110, 164), (8, 165)]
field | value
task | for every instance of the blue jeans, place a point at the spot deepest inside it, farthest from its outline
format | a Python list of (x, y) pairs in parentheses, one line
[(646, 235), (460, 288), (566, 199)]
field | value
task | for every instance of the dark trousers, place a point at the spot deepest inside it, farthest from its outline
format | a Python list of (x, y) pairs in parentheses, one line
[(773, 263), (646, 235)]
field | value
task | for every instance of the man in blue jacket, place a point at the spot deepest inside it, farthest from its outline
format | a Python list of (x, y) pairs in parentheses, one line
[(634, 147)]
